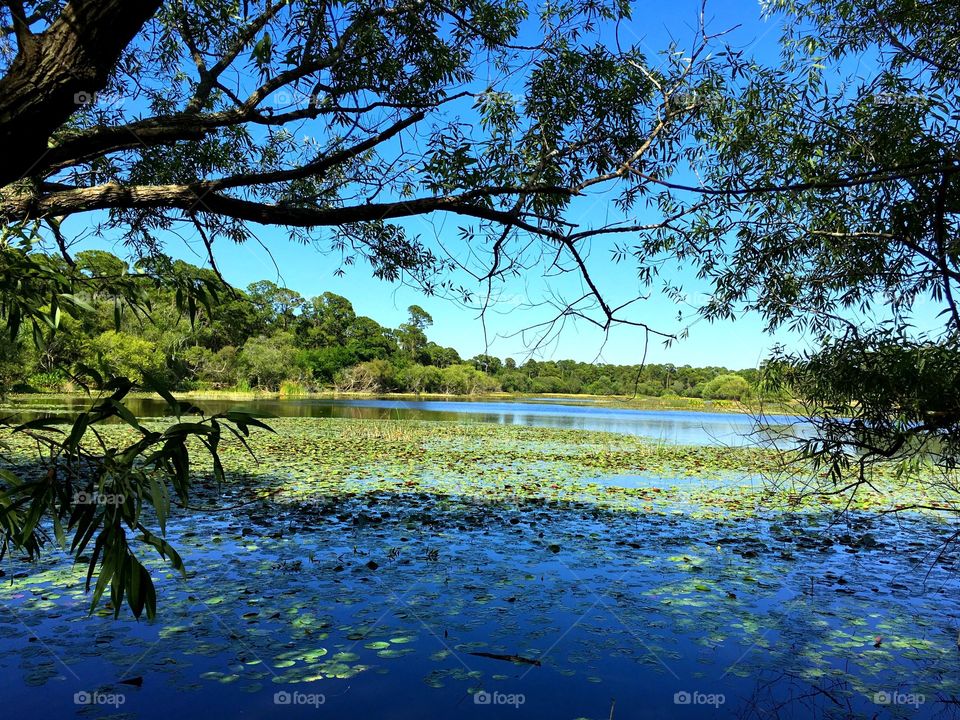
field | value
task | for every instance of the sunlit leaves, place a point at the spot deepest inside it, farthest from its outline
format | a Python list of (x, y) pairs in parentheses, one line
[(101, 491), (80, 482), (877, 395)]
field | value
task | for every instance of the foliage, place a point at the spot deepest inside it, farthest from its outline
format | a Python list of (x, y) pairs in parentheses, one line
[(350, 120), (825, 199), (121, 354), (829, 207), (78, 490), (727, 387), (370, 376), (267, 361), (276, 335), (886, 394)]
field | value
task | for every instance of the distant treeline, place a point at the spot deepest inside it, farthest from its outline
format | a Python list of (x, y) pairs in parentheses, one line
[(272, 338)]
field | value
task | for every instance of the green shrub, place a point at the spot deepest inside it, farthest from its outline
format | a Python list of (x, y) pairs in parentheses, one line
[(727, 387)]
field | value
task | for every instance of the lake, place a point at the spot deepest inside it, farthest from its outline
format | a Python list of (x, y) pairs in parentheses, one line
[(512, 560), (677, 426)]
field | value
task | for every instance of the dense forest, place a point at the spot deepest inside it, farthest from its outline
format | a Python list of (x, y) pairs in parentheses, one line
[(271, 338)]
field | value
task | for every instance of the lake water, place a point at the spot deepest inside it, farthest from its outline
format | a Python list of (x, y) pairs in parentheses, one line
[(674, 426), (401, 604)]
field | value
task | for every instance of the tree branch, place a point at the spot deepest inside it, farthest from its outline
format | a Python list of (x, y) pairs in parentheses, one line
[(76, 54), (201, 197), (21, 23), (901, 172), (209, 78)]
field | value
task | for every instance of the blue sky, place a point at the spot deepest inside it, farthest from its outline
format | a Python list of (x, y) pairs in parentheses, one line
[(738, 344)]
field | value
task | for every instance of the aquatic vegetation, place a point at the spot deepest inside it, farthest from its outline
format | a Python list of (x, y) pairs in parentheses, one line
[(370, 559)]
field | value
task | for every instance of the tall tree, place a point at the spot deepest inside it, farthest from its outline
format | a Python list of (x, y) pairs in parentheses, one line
[(327, 320), (274, 304), (828, 196), (152, 118), (216, 118), (411, 335)]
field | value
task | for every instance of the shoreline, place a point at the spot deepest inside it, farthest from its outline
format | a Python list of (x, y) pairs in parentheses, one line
[(652, 403)]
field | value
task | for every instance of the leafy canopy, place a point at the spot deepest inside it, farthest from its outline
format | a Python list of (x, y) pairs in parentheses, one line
[(206, 119)]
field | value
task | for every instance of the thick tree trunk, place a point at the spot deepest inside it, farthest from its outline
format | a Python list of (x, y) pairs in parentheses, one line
[(71, 59)]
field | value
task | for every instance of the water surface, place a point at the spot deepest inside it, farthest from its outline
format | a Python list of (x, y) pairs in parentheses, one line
[(686, 599), (687, 427)]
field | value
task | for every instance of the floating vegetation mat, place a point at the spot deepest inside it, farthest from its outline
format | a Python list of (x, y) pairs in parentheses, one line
[(438, 570)]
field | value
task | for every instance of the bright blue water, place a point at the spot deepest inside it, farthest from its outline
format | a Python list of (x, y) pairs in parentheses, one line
[(673, 426), (626, 612)]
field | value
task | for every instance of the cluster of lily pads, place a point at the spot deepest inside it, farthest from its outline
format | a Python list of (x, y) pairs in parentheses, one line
[(360, 558)]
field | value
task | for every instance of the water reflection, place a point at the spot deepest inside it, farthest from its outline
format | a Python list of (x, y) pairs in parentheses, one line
[(671, 426)]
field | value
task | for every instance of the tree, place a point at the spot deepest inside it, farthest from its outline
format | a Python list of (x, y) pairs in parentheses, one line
[(268, 361), (813, 202), (126, 112), (326, 362), (420, 378), (153, 119), (275, 305), (371, 376), (466, 380), (487, 363), (215, 369), (828, 203), (326, 321), (419, 318), (884, 390), (36, 294), (729, 386), (99, 263), (12, 365), (123, 355), (441, 357), (411, 335), (368, 340), (233, 319)]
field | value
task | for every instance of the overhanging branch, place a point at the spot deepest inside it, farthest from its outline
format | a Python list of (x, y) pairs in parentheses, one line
[(203, 197), (76, 54)]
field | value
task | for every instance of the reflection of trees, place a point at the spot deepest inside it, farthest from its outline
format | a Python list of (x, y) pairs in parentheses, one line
[(783, 694)]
